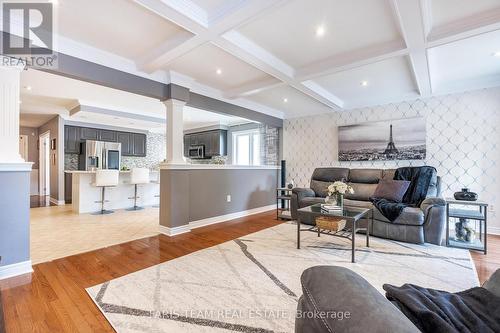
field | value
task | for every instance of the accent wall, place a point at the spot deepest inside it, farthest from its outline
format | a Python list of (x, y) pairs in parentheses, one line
[(463, 142)]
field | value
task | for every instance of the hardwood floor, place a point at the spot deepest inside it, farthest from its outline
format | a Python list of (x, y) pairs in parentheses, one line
[(55, 300), (489, 263)]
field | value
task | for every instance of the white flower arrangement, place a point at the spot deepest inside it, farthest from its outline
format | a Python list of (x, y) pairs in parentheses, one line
[(339, 188)]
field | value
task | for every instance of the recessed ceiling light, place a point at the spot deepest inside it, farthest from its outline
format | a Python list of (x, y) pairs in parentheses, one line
[(218, 71), (20, 102), (28, 88), (496, 54), (364, 83), (285, 100), (320, 31)]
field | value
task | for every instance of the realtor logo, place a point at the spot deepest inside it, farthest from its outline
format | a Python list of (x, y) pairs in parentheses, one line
[(28, 27)]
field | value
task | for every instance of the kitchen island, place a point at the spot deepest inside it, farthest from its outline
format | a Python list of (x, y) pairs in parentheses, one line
[(85, 194)]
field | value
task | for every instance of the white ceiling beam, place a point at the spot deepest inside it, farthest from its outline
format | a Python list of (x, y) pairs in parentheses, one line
[(203, 29), (465, 28), (353, 59), (409, 14), (246, 50), (222, 33), (253, 88)]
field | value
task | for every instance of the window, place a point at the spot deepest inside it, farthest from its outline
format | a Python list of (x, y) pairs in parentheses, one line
[(246, 147)]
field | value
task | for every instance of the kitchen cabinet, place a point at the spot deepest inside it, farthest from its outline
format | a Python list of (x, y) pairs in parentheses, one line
[(89, 133), (215, 142), (133, 144), (125, 139), (71, 140), (139, 144), (107, 135)]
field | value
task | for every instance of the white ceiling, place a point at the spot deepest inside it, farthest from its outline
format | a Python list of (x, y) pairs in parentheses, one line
[(289, 31), (266, 49)]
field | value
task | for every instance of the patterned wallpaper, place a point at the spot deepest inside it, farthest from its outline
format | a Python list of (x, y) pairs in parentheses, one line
[(463, 141)]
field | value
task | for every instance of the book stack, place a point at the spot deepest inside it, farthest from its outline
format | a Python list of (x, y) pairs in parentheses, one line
[(331, 208)]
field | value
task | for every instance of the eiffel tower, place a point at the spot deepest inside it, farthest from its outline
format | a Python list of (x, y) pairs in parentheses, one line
[(391, 147)]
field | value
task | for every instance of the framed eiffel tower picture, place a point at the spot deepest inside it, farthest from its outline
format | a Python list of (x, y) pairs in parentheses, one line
[(402, 139)]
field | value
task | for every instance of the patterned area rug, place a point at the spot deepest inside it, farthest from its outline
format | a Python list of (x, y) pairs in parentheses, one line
[(252, 284)]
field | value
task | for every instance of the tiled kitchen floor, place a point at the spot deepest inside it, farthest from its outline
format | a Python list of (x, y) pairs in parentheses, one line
[(57, 232)]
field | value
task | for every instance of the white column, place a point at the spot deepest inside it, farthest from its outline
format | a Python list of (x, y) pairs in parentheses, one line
[(175, 132), (10, 78)]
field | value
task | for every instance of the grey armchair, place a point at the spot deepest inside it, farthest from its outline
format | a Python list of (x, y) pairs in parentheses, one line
[(415, 225)]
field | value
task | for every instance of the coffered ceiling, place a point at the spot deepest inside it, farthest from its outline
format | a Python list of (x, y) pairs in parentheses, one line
[(319, 55)]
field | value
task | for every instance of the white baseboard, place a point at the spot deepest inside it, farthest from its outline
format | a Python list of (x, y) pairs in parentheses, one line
[(20, 268), (213, 220), (57, 202), (174, 231), (494, 230), (232, 216)]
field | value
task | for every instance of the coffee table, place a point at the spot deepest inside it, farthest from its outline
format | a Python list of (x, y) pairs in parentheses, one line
[(351, 214)]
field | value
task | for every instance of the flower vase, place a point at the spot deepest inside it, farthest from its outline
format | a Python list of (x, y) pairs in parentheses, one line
[(340, 200)]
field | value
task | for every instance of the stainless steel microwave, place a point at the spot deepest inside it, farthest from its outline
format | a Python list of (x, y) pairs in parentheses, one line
[(196, 152)]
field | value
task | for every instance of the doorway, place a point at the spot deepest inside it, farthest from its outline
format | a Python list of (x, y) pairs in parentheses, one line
[(44, 149)]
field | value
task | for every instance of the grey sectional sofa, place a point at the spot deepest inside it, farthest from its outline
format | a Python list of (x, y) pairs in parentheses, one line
[(415, 225), (332, 288)]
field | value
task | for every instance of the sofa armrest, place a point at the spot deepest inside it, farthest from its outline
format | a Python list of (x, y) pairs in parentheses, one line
[(430, 202), (493, 284), (435, 219), (297, 195), (336, 299), (303, 192)]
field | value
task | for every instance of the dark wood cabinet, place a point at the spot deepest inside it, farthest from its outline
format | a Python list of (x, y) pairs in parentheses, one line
[(133, 144), (125, 139), (108, 136), (89, 133), (139, 144), (71, 140), (215, 142)]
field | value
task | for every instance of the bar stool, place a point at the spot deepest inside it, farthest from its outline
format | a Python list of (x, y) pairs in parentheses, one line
[(138, 176), (103, 179), (157, 181)]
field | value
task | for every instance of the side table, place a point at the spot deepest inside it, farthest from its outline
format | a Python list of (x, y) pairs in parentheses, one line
[(469, 222)]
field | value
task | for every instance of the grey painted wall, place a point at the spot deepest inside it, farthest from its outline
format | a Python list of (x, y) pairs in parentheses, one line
[(56, 128), (197, 194), (32, 134), (14, 217)]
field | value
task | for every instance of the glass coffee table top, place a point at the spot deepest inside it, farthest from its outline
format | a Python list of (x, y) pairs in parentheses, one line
[(354, 213)]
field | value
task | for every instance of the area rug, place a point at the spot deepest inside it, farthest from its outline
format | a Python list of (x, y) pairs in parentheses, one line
[(252, 284)]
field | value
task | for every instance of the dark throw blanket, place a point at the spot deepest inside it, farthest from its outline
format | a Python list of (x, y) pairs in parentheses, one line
[(476, 310), (420, 179)]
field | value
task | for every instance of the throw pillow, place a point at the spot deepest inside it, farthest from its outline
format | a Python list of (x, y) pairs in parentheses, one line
[(393, 190)]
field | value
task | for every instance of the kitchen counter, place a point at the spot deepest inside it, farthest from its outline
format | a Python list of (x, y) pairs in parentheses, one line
[(217, 166), (85, 194)]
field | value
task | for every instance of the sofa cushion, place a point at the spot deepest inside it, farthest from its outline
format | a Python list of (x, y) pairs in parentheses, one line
[(409, 216), (320, 188), (389, 173), (358, 203), (330, 174), (361, 191), (309, 201), (367, 176), (390, 189)]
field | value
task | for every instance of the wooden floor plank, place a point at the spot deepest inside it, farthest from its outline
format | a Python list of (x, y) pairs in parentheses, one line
[(55, 299)]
